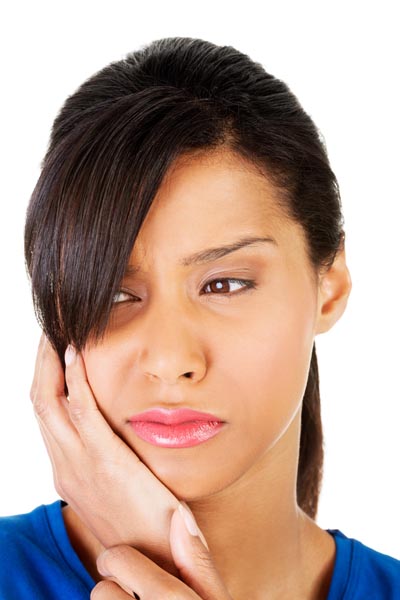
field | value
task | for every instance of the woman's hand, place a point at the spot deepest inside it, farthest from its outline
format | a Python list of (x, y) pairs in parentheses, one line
[(119, 499), (132, 575)]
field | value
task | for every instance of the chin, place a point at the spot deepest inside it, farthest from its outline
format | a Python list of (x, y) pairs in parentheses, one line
[(185, 483)]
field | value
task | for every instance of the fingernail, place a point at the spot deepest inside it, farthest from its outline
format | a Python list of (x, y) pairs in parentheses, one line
[(190, 522), (70, 355)]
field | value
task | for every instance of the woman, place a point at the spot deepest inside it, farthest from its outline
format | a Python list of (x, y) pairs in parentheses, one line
[(185, 245)]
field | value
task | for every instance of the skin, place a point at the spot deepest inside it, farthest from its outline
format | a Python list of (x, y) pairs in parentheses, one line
[(127, 570), (249, 356)]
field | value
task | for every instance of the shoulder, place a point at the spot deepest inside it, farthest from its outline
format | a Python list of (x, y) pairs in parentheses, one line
[(26, 540), (377, 570), (37, 559), (362, 572), (18, 530)]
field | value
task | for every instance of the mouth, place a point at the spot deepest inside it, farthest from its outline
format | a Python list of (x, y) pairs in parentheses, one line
[(181, 435), (181, 428)]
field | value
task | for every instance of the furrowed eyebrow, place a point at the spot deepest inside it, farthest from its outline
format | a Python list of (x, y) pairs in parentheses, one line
[(210, 254)]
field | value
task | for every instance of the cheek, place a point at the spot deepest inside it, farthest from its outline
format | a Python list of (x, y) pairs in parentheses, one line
[(268, 375), (258, 364), (103, 368)]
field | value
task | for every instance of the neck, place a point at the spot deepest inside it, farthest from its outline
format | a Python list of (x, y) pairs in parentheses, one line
[(262, 543)]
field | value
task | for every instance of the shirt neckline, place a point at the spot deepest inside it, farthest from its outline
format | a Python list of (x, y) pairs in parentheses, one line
[(337, 589), (342, 567)]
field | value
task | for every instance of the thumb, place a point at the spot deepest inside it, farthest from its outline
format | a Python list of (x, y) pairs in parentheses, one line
[(192, 556)]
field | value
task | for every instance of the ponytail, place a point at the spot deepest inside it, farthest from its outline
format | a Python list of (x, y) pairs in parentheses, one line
[(310, 468)]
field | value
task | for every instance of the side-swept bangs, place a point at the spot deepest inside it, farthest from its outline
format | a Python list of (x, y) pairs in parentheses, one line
[(95, 189)]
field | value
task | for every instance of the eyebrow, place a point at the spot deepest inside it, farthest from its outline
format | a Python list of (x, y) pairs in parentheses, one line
[(211, 254)]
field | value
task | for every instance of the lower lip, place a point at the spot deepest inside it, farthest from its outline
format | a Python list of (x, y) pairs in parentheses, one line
[(182, 435)]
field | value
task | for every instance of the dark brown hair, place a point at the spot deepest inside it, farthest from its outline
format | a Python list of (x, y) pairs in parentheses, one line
[(111, 145)]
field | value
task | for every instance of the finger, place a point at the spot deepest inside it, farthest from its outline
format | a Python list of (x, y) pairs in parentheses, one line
[(193, 558), (47, 394), (83, 409), (134, 571), (55, 455), (106, 589)]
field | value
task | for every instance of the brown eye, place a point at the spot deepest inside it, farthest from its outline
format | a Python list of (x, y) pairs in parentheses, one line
[(224, 287)]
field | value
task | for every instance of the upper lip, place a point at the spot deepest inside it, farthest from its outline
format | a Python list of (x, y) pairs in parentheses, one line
[(173, 416)]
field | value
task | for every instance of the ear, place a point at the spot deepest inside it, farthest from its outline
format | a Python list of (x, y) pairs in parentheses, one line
[(333, 293)]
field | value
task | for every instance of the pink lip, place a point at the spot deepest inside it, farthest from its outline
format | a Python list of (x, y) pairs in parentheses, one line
[(181, 428), (173, 417)]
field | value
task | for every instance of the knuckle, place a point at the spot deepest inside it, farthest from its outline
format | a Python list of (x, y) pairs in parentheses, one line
[(33, 392), (60, 491), (40, 407), (108, 559), (62, 485), (113, 558), (76, 412), (102, 590), (204, 565), (58, 486)]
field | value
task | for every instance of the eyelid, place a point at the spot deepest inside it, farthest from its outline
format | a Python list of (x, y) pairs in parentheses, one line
[(122, 291), (247, 285)]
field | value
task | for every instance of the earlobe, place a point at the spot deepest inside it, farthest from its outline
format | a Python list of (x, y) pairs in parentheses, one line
[(333, 293)]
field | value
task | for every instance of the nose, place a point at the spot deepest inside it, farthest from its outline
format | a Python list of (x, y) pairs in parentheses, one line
[(170, 346)]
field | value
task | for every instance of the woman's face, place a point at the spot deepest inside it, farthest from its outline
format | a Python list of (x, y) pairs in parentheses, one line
[(248, 348)]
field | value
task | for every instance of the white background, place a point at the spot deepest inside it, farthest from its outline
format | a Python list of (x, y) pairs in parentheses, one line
[(342, 61)]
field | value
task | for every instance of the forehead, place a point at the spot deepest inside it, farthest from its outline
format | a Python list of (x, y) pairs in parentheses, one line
[(210, 197), (222, 180)]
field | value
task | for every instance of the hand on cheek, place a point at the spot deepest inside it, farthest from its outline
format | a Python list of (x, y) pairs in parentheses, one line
[(94, 471)]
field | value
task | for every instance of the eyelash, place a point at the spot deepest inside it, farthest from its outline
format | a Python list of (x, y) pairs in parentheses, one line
[(247, 284)]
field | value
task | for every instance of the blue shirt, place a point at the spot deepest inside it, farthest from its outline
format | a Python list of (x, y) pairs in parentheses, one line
[(38, 562)]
